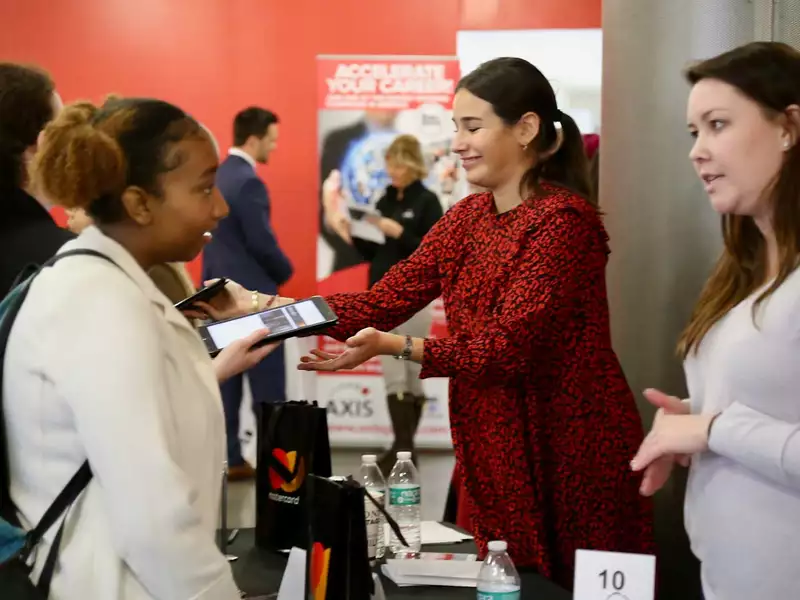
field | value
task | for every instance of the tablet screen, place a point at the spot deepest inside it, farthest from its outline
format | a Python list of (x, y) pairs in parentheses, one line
[(278, 320)]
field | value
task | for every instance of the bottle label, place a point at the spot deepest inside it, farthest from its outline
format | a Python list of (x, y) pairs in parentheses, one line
[(404, 496), (374, 523), (498, 595)]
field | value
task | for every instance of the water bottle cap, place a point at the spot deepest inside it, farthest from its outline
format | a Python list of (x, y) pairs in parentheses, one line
[(498, 546), (369, 459), (404, 455)]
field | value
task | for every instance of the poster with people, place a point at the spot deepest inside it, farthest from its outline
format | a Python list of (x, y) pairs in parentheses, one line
[(365, 103)]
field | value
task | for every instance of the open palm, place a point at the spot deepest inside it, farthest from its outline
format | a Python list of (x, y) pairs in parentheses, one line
[(360, 348)]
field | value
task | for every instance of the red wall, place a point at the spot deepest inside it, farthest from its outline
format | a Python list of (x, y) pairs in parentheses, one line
[(213, 57)]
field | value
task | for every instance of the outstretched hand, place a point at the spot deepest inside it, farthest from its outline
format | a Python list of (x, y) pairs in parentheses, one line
[(363, 346)]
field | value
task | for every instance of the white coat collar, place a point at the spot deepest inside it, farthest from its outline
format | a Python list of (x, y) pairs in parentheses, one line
[(94, 239)]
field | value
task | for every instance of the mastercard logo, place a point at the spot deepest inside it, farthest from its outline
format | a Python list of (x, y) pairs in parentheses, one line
[(320, 562), (297, 468)]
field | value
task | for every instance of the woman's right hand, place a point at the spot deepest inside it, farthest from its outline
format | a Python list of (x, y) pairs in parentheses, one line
[(657, 474), (235, 301), (241, 356)]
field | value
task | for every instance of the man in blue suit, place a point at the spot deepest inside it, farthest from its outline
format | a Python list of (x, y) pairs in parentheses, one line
[(245, 249)]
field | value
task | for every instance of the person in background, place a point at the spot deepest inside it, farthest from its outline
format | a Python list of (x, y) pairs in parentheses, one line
[(101, 367), (171, 279), (28, 234), (245, 249), (741, 349), (407, 211), (333, 225), (543, 422)]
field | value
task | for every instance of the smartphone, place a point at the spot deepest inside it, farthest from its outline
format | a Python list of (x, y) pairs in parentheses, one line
[(203, 295), (299, 318)]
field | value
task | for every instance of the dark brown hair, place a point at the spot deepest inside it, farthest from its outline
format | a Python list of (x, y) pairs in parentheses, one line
[(89, 156), (769, 74), (252, 121), (514, 87), (26, 105)]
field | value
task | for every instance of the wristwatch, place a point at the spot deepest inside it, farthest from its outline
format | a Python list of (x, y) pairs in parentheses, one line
[(408, 348)]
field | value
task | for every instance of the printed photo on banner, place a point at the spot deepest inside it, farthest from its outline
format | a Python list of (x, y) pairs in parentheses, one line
[(365, 103)]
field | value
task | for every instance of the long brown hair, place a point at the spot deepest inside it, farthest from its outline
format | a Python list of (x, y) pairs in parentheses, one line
[(768, 73)]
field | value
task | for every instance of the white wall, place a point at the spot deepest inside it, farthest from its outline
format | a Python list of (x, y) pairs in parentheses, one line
[(572, 59)]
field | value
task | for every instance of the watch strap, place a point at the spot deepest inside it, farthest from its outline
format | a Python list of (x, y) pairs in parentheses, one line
[(408, 348)]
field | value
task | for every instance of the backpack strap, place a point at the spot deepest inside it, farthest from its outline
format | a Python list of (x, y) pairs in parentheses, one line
[(49, 568), (83, 475), (63, 501)]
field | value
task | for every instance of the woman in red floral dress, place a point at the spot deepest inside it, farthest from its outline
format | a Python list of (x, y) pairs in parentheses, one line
[(543, 422)]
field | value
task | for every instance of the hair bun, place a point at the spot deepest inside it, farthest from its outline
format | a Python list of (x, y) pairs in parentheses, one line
[(77, 163)]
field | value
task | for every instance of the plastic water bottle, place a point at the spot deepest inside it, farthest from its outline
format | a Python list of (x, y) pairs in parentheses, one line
[(498, 579), (375, 485), (404, 503)]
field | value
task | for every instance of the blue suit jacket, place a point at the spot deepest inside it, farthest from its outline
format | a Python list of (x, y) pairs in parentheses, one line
[(244, 247)]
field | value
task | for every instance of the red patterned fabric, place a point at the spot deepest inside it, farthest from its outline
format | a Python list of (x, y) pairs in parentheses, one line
[(543, 422)]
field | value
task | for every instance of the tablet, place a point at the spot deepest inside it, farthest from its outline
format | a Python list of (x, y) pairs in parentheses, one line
[(299, 318)]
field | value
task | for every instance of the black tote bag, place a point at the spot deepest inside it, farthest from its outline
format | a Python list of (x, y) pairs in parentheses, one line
[(338, 562), (292, 443)]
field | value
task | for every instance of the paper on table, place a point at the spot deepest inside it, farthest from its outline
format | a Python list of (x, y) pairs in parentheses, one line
[(436, 533), (365, 230), (454, 571), (432, 532)]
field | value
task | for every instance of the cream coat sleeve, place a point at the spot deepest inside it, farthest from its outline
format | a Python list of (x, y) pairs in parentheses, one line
[(118, 415)]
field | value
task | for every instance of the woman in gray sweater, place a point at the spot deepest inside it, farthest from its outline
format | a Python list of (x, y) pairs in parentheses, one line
[(739, 428)]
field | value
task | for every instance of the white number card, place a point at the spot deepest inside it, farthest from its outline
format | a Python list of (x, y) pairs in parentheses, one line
[(614, 576)]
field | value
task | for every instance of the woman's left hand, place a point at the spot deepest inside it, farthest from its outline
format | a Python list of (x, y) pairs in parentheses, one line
[(389, 227), (673, 434), (242, 355), (366, 344)]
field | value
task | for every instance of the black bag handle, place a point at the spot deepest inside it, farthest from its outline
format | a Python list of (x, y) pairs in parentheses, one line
[(82, 476), (389, 519)]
